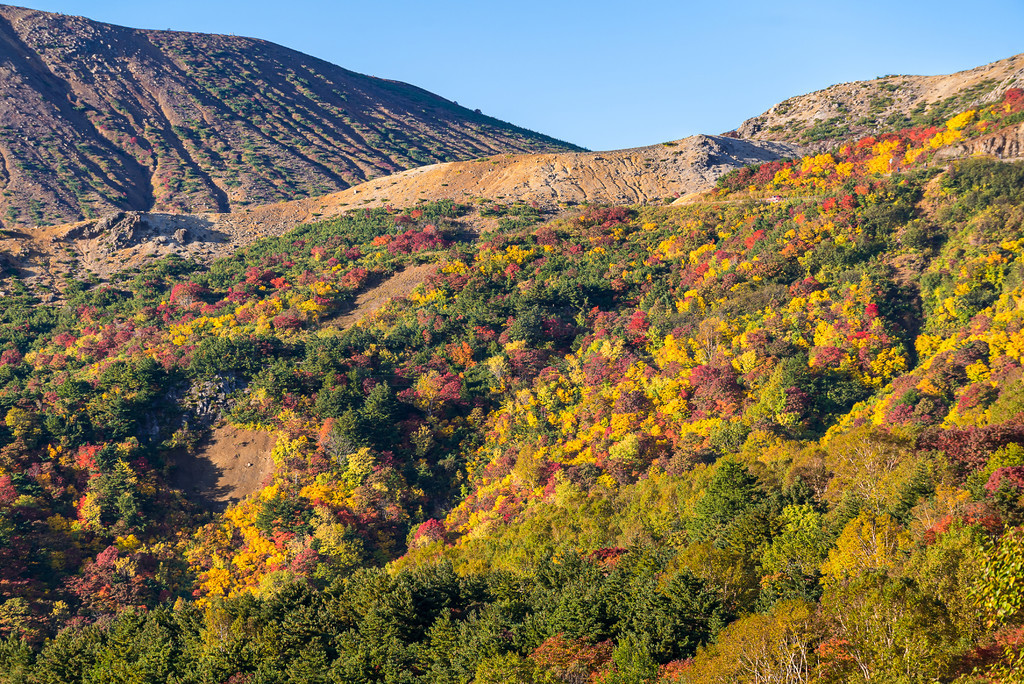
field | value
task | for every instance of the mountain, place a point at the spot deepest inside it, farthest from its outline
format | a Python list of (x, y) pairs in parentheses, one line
[(772, 433), (533, 418), (851, 110), (96, 118)]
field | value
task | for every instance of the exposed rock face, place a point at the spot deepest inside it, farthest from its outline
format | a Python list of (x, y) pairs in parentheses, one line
[(96, 118), (1003, 145), (127, 231), (852, 110)]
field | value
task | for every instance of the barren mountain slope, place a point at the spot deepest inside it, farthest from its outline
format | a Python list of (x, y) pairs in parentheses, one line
[(95, 117), (851, 110), (632, 176)]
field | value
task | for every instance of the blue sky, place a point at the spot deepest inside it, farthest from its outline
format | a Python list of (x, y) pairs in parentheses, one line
[(606, 75)]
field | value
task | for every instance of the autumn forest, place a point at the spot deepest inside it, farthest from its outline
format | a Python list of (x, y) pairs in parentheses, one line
[(774, 433)]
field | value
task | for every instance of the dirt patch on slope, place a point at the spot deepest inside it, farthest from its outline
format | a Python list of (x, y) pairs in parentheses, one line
[(400, 284), (230, 464)]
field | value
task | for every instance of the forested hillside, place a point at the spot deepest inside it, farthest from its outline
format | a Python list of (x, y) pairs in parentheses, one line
[(774, 435)]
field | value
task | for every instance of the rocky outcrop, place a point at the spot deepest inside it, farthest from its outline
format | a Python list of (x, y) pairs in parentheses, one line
[(1007, 145)]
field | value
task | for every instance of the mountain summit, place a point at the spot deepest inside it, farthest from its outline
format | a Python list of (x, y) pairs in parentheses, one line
[(97, 118)]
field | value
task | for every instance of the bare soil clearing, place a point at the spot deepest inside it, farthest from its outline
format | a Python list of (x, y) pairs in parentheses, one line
[(230, 464)]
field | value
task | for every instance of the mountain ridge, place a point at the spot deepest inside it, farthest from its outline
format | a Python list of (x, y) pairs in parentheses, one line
[(549, 181), (771, 432)]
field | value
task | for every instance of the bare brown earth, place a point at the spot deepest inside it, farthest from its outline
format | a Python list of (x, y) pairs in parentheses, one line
[(633, 176), (852, 110), (230, 464), (658, 173), (96, 118)]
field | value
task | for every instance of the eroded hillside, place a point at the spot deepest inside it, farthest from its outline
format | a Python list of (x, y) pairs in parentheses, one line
[(96, 118)]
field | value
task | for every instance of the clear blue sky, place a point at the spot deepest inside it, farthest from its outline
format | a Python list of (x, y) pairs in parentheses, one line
[(606, 75)]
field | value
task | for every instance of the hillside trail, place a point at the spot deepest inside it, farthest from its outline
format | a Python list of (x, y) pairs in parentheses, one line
[(690, 200), (400, 284)]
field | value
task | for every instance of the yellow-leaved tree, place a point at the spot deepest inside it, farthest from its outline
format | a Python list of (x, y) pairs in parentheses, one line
[(868, 542)]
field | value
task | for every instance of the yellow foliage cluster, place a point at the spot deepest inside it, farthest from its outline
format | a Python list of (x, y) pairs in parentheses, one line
[(493, 261)]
